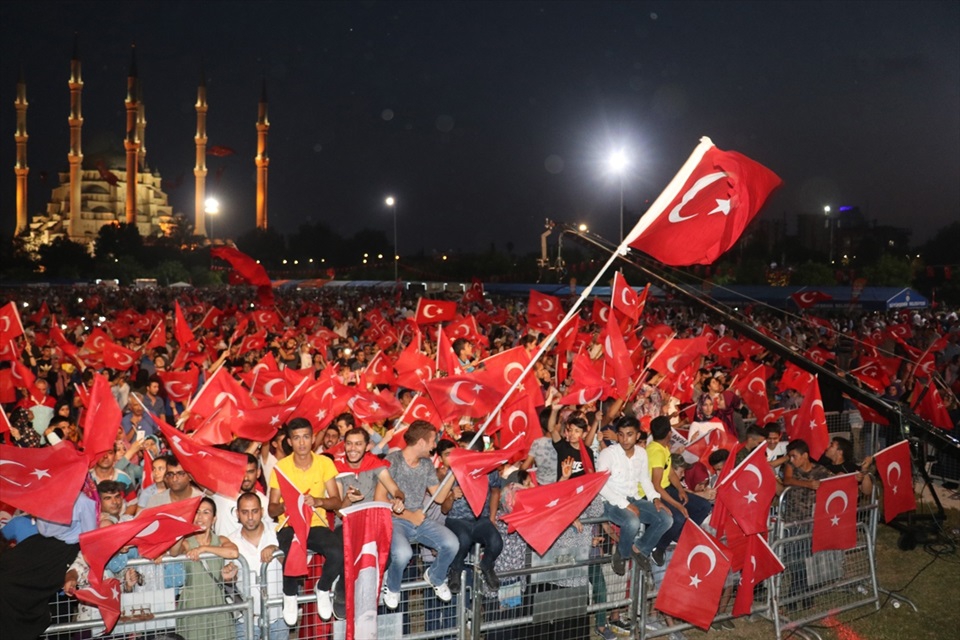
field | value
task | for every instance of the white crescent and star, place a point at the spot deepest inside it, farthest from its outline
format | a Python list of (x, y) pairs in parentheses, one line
[(510, 367), (699, 185), (763, 386), (695, 579), (514, 415), (225, 395), (455, 398), (890, 481), (546, 305), (836, 494), (3, 462), (430, 311), (268, 388)]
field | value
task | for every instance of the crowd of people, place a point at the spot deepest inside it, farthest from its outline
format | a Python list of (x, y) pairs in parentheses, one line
[(638, 432)]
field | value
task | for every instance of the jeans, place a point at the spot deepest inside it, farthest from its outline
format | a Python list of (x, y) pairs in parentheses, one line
[(470, 532), (320, 540), (278, 630), (429, 533), (697, 508), (656, 524)]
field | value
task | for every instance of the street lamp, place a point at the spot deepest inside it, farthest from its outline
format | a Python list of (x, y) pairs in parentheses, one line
[(826, 212), (618, 163), (392, 203), (211, 207)]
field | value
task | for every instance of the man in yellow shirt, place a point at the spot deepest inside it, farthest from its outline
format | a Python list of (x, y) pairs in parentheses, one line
[(314, 476), (682, 505)]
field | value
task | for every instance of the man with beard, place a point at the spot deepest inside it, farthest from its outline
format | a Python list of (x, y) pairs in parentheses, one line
[(227, 525)]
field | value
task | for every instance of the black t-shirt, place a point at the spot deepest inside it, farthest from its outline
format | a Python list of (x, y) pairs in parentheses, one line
[(847, 466), (564, 451)]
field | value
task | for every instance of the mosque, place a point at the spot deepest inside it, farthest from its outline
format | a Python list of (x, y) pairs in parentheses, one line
[(116, 191)]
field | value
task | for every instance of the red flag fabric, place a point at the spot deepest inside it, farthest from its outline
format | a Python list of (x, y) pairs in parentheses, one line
[(147, 468), (712, 440), (600, 312), (158, 337), (299, 516), (694, 579), (810, 424), (753, 390), (471, 469), (11, 326), (459, 396), (931, 407), (517, 424), (806, 299), (617, 357), (705, 208), (759, 564), (623, 298), (117, 357), (434, 311), (588, 385), (367, 535), (219, 388), (836, 527), (220, 151), (794, 378), (105, 596), (542, 513), (369, 407), (180, 385), (42, 481), (380, 371), (678, 355), (153, 531), (248, 268), (4, 421), (895, 468), (101, 420), (748, 491), (215, 469), (540, 305), (447, 360), (181, 328)]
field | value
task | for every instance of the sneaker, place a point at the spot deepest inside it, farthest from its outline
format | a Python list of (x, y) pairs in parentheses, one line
[(620, 627), (391, 599), (339, 606), (491, 578), (442, 590), (728, 625), (291, 610), (643, 562), (324, 604), (654, 624), (658, 556), (453, 581), (619, 564), (606, 633)]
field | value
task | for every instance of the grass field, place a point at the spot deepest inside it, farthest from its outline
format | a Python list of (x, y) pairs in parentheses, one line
[(929, 579)]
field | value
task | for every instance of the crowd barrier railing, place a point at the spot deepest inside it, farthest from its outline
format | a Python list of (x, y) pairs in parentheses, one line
[(161, 601)]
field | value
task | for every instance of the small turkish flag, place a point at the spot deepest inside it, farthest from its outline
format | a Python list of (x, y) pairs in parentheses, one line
[(810, 424), (678, 354), (101, 420), (219, 388), (694, 579), (10, 325), (932, 408), (215, 469), (422, 408), (836, 527), (158, 337), (543, 306), (369, 407), (299, 516), (105, 596), (748, 491), (117, 357), (895, 468), (705, 208), (794, 378), (248, 268), (181, 328), (712, 440), (447, 360), (180, 385), (367, 535), (471, 469), (459, 396), (806, 299), (753, 389), (380, 371), (600, 312), (623, 298), (433, 311), (518, 425), (588, 385), (43, 482), (152, 532), (759, 564), (542, 513)]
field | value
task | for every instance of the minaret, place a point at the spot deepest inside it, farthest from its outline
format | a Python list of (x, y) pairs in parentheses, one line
[(200, 168), (131, 143), (263, 126), (75, 157), (21, 168), (141, 130)]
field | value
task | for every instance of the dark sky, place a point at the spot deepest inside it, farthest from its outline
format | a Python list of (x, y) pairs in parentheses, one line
[(484, 118)]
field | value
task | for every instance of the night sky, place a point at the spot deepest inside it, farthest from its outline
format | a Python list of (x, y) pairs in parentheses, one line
[(484, 118)]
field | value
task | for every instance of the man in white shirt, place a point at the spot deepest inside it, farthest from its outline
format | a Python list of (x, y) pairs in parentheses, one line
[(257, 544), (622, 505), (228, 524)]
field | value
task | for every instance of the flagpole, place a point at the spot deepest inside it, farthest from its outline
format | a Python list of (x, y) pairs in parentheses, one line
[(541, 350)]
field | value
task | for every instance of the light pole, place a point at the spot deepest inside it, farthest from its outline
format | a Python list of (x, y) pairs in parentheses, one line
[(618, 163), (211, 207), (826, 212), (392, 203)]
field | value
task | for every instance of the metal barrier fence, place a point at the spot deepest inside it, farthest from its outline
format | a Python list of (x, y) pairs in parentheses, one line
[(172, 595)]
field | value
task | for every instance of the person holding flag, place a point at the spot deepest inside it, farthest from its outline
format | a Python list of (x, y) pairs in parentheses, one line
[(314, 476)]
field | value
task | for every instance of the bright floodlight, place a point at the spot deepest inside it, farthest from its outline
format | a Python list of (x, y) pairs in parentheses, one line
[(618, 161), (390, 201), (211, 205), (826, 210), (582, 227)]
